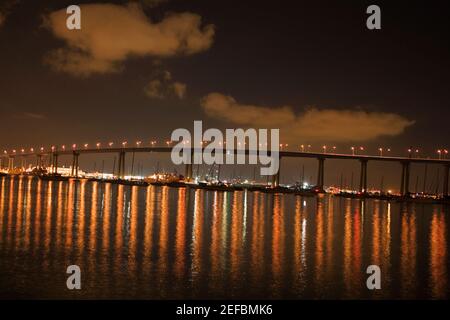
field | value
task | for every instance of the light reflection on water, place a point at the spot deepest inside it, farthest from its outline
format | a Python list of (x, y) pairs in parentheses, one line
[(160, 242)]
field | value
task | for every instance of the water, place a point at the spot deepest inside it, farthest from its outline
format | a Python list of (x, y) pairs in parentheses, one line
[(167, 243)]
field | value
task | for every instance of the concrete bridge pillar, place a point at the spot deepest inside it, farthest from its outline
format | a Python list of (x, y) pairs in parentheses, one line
[(74, 169), (39, 161), (188, 172), (446, 176), (321, 174), (121, 170), (276, 177), (276, 180), (10, 164), (404, 187), (50, 163), (363, 177), (55, 163)]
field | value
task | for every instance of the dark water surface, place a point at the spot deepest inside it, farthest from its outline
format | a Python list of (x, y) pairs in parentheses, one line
[(160, 242)]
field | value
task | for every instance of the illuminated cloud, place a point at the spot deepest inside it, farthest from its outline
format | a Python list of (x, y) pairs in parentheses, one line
[(154, 89), (112, 33), (163, 87), (312, 125), (179, 89), (5, 9), (30, 115), (153, 3)]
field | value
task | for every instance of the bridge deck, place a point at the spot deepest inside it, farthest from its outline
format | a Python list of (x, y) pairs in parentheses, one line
[(282, 154)]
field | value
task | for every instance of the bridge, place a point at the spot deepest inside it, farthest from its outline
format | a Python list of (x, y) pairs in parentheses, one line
[(405, 162)]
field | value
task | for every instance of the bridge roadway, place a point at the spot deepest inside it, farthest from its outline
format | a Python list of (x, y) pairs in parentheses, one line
[(321, 157)]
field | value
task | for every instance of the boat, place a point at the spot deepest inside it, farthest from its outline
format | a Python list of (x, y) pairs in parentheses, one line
[(172, 184), (278, 189), (176, 184), (211, 186), (92, 179), (53, 177), (139, 183), (166, 179)]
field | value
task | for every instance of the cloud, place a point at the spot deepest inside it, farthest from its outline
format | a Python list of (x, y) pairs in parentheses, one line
[(154, 89), (163, 87), (179, 89), (5, 9), (30, 115), (112, 33), (322, 125), (153, 3)]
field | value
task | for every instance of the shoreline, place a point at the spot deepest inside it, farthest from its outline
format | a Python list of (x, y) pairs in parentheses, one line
[(237, 188)]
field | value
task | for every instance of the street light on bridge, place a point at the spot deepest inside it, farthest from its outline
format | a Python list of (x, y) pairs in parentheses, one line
[(353, 151), (98, 145), (138, 143), (440, 154), (74, 146), (324, 149), (124, 144), (110, 144), (381, 151)]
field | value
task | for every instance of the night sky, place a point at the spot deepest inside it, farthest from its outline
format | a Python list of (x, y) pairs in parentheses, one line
[(302, 66)]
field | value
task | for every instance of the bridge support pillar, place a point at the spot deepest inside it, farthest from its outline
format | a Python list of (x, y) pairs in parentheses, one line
[(50, 163), (10, 164), (276, 180), (74, 169), (55, 163), (404, 187), (188, 172), (321, 174), (446, 177), (38, 161), (276, 177), (121, 170), (363, 177)]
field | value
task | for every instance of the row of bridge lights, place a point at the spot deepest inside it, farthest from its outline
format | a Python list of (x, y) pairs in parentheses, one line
[(442, 153), (382, 151)]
